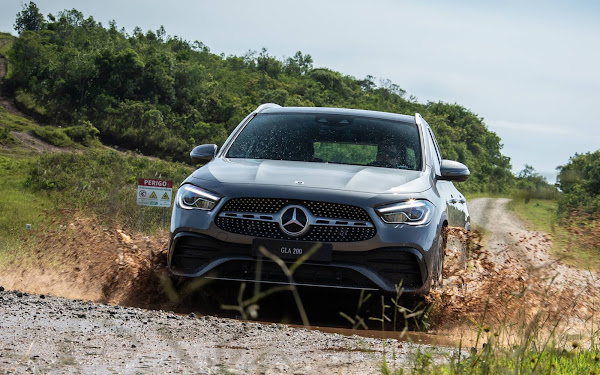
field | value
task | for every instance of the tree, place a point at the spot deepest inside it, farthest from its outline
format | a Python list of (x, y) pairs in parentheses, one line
[(534, 185), (299, 64), (163, 95), (29, 18), (580, 182)]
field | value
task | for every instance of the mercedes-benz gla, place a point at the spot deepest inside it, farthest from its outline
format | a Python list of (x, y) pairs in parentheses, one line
[(366, 195)]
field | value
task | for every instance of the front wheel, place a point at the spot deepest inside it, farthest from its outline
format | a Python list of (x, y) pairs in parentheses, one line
[(438, 268)]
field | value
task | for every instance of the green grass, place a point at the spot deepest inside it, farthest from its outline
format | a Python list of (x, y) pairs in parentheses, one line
[(19, 207), (541, 215), (517, 360), (14, 122), (538, 213)]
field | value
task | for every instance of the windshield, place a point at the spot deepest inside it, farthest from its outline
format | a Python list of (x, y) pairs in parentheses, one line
[(330, 138)]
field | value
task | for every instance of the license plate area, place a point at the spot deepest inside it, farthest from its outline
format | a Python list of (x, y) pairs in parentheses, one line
[(293, 249)]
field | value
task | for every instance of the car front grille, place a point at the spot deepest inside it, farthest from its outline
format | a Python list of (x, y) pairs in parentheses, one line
[(259, 217), (273, 205)]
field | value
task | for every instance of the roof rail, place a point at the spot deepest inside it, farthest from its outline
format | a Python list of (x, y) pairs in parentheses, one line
[(418, 118), (264, 106)]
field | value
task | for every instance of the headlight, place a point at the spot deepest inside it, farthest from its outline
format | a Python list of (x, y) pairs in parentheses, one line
[(412, 212), (190, 197)]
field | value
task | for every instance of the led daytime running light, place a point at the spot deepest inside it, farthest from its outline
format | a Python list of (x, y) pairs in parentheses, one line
[(190, 197), (406, 212)]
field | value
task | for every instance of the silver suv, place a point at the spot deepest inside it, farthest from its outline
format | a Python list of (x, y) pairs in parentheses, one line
[(366, 195)]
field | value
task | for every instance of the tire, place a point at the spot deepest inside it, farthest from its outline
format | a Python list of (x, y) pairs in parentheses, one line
[(438, 268)]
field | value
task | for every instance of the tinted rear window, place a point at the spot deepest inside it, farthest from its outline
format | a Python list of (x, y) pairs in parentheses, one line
[(330, 139)]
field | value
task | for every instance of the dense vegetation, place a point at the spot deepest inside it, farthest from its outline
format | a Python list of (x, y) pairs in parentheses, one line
[(530, 184), (163, 95), (579, 205), (580, 183)]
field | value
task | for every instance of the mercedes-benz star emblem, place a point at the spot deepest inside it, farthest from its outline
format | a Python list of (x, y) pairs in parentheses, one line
[(294, 221)]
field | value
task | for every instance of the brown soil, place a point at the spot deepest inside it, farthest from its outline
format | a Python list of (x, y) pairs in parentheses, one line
[(35, 144)]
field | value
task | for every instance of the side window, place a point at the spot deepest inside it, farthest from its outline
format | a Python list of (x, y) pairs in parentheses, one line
[(433, 152)]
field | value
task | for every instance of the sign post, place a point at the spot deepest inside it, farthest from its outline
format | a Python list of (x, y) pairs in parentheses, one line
[(152, 192)]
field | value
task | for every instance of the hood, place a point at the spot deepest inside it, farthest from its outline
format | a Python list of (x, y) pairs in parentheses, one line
[(313, 175)]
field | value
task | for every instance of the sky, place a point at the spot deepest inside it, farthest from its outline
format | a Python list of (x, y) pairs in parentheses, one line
[(531, 69)]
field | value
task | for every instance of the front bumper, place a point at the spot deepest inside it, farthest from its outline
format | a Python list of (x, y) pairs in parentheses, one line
[(198, 255)]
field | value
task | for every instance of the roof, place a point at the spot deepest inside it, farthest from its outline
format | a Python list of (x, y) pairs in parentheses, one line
[(341, 111)]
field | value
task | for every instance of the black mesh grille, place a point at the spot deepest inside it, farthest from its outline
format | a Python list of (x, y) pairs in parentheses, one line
[(267, 229), (318, 233), (339, 234), (272, 205), (263, 205), (335, 210), (254, 228)]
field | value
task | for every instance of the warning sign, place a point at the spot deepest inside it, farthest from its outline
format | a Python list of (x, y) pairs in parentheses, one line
[(150, 189)]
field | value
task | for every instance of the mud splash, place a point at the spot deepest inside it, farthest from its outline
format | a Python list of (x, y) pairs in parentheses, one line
[(509, 284), (80, 259)]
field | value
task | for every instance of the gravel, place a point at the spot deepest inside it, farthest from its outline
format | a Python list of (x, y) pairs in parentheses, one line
[(45, 334)]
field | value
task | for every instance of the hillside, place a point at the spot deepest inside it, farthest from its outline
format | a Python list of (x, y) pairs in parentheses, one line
[(163, 95)]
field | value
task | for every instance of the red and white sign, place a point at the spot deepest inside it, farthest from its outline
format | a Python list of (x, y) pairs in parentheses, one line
[(149, 182), (152, 192)]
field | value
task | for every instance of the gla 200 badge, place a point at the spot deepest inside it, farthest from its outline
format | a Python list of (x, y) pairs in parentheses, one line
[(291, 250)]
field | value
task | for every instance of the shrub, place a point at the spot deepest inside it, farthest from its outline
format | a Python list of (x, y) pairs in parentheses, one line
[(6, 138), (54, 136), (85, 133)]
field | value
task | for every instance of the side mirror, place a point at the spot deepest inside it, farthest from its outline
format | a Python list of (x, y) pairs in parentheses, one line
[(454, 171), (203, 153)]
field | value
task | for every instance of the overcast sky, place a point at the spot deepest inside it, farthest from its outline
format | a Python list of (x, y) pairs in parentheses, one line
[(530, 69)]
